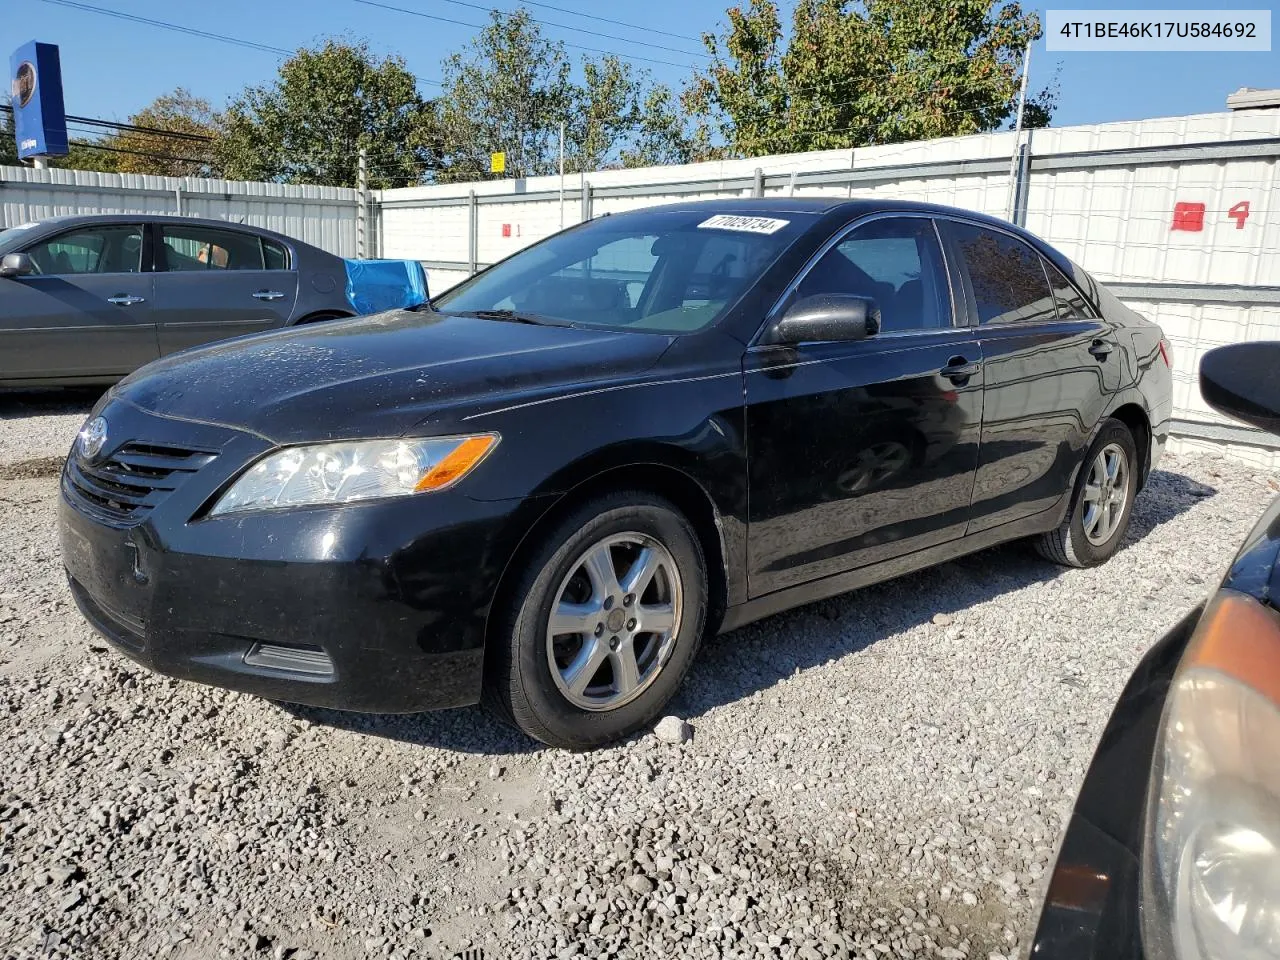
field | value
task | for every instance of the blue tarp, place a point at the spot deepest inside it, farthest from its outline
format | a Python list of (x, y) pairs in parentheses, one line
[(377, 285)]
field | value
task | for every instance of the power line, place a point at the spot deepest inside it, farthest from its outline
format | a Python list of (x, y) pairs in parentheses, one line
[(130, 127), (593, 33), (617, 23), (138, 153), (190, 31), (476, 26)]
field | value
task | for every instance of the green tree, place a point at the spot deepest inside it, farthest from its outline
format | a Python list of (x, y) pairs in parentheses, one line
[(511, 88), (8, 144), (310, 124), (176, 113), (881, 71), (89, 155)]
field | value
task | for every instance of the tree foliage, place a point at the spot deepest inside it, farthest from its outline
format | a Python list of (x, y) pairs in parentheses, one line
[(880, 71), (511, 88), (8, 142), (309, 126), (177, 112)]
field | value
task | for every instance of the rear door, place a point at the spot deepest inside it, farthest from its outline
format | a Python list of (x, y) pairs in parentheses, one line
[(862, 451), (213, 283), (86, 312), (1051, 364)]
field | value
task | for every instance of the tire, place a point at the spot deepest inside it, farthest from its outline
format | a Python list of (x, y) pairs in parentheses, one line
[(531, 680), (1085, 539)]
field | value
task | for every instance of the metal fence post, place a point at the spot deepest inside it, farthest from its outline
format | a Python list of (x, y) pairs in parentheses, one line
[(757, 189), (1024, 183), (473, 232), (362, 203)]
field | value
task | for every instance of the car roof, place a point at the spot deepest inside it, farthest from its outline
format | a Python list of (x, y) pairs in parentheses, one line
[(94, 219), (744, 206)]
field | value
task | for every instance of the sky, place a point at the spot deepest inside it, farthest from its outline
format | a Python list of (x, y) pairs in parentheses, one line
[(111, 67)]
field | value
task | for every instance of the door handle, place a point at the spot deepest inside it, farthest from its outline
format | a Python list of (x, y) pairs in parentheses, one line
[(268, 295), (1101, 348), (958, 369), (126, 301)]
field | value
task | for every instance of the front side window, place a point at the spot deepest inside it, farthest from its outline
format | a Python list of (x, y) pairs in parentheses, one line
[(895, 262), (670, 273), (106, 249), (201, 248), (1008, 282)]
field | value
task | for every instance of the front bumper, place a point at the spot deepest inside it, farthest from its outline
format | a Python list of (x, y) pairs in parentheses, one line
[(373, 607)]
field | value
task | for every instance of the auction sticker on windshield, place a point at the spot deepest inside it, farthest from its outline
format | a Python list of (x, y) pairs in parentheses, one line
[(724, 221)]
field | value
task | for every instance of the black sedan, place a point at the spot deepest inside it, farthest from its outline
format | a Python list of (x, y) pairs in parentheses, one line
[(544, 487), (1173, 849), (86, 300)]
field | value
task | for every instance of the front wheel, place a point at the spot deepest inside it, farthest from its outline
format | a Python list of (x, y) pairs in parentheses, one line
[(1102, 503), (603, 625)]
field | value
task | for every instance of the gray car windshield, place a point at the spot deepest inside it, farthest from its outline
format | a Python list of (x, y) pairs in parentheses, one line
[(660, 273)]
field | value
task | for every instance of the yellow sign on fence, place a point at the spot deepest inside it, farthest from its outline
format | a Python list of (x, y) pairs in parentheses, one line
[(497, 163)]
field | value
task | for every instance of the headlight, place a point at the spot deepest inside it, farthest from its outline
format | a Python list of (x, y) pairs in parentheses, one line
[(357, 470), (1211, 870)]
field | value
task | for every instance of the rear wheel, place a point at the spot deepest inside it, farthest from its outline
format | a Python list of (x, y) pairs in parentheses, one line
[(1102, 504), (603, 625)]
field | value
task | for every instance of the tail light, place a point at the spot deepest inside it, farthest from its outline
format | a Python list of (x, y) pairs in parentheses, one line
[(1166, 351)]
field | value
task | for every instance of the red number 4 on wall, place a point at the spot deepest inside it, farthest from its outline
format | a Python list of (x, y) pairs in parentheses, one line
[(1239, 213)]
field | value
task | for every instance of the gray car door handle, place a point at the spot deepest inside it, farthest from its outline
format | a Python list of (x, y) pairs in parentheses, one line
[(126, 301), (268, 295)]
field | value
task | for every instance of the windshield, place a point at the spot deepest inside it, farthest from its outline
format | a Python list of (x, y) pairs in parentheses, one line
[(659, 272)]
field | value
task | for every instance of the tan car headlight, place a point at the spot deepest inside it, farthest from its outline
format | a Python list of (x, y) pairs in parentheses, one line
[(336, 473), (1211, 870)]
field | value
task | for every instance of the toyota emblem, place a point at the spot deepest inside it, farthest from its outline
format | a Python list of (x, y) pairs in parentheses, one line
[(93, 437)]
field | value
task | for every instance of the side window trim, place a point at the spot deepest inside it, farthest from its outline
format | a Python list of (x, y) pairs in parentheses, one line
[(70, 231), (838, 238)]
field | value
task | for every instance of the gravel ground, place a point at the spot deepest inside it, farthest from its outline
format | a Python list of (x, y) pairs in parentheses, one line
[(881, 775), (36, 425)]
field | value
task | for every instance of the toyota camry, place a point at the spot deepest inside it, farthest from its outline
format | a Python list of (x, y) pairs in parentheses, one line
[(543, 488)]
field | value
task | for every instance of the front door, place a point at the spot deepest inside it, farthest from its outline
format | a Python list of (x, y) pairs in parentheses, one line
[(214, 283), (84, 313), (1050, 364), (862, 451)]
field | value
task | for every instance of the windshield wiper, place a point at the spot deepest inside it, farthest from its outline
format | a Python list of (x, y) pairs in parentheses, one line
[(513, 316)]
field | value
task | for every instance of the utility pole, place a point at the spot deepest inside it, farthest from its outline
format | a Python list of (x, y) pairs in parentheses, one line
[(1017, 137), (561, 174), (362, 201)]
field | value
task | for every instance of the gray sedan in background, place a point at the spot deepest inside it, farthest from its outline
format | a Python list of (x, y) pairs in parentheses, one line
[(89, 299)]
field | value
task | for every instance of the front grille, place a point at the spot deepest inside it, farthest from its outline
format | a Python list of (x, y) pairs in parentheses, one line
[(133, 481)]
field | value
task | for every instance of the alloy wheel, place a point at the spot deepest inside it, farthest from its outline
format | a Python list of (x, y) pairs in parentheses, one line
[(1106, 493), (614, 621)]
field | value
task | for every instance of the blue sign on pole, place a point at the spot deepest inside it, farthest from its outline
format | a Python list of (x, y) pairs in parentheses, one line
[(39, 116)]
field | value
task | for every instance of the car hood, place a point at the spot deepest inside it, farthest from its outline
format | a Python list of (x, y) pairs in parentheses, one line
[(381, 375)]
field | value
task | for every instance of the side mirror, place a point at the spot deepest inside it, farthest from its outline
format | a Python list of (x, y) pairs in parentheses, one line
[(16, 265), (828, 316), (1243, 381)]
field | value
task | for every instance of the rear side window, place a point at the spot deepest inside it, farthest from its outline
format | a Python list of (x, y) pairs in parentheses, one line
[(895, 262), (276, 256), (1006, 276), (201, 248), (1071, 305)]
